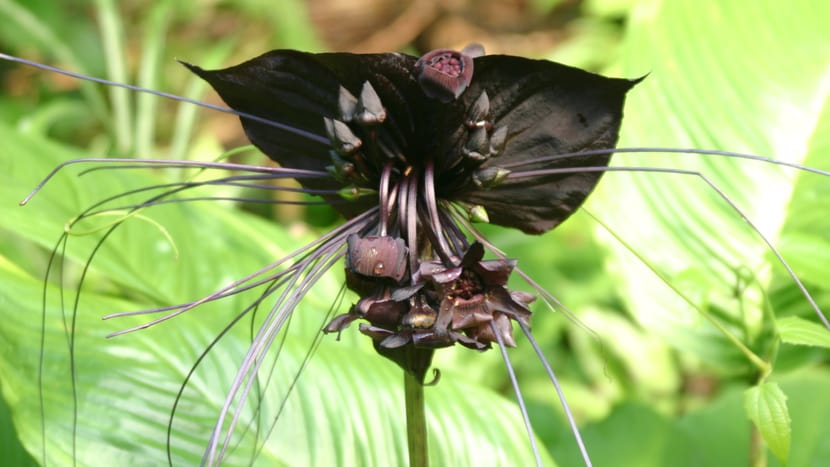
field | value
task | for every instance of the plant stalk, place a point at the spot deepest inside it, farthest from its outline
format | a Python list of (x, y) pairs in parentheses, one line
[(757, 448), (416, 425)]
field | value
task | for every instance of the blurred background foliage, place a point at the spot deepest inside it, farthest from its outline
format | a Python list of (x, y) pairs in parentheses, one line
[(651, 381)]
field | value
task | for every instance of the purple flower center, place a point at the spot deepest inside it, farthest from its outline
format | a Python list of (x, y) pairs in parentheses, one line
[(449, 63), (444, 74), (466, 286)]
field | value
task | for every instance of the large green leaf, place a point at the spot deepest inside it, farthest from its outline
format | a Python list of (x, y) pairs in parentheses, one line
[(347, 408), (739, 76)]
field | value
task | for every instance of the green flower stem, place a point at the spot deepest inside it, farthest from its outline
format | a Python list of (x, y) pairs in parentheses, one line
[(416, 425), (757, 448)]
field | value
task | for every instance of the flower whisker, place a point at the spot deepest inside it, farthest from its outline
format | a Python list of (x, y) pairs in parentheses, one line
[(559, 392), (299, 132), (553, 304), (306, 360), (128, 164), (240, 199), (667, 151), (334, 237), (173, 188), (514, 382), (274, 173), (708, 181), (238, 181), (275, 350), (326, 256)]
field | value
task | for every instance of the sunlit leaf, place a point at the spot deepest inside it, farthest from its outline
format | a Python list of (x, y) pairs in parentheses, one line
[(764, 94), (798, 331)]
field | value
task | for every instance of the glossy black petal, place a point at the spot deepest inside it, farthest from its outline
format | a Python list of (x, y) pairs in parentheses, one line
[(301, 89), (514, 110), (547, 109)]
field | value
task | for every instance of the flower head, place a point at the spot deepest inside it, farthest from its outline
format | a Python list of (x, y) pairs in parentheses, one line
[(416, 148)]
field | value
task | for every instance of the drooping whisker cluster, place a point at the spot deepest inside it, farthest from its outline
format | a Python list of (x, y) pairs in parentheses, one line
[(520, 174), (277, 275)]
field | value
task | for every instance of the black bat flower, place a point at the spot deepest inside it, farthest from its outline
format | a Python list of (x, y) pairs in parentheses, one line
[(417, 147)]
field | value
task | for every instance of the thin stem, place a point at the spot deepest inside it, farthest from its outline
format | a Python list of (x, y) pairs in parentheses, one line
[(416, 424), (757, 447)]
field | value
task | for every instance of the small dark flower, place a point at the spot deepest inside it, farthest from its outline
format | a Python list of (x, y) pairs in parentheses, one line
[(417, 148)]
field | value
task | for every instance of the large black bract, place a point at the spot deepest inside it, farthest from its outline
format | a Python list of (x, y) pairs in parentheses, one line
[(547, 108)]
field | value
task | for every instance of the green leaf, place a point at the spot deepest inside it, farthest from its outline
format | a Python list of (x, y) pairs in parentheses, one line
[(794, 330), (718, 429), (766, 406), (13, 451), (634, 434), (764, 93), (722, 436)]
